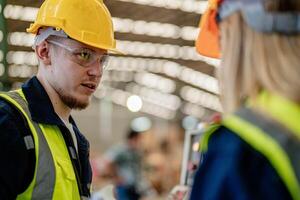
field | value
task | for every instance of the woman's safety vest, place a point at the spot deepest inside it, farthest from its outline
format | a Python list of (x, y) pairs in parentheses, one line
[(54, 176), (279, 143)]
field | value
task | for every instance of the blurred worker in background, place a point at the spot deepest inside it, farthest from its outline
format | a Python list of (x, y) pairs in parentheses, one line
[(43, 154), (124, 164), (254, 153)]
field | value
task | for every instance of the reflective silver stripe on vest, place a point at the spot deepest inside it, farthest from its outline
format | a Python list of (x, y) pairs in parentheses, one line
[(288, 142), (45, 172), (29, 142)]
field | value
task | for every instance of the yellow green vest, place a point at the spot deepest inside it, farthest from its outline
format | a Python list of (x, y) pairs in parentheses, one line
[(54, 176), (279, 143)]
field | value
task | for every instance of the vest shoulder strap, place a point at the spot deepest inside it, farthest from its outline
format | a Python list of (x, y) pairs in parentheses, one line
[(42, 186), (27, 135), (206, 135)]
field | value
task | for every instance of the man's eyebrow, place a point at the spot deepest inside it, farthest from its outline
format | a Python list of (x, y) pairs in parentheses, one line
[(85, 48)]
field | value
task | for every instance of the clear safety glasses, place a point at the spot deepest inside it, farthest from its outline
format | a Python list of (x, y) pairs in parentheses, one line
[(83, 56)]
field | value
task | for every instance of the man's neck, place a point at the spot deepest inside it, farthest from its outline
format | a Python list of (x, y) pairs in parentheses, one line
[(62, 110)]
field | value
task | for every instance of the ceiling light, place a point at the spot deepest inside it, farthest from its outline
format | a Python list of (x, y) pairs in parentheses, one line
[(159, 50), (169, 101), (1, 35), (21, 57), (193, 110), (150, 80), (134, 103), (23, 71), (169, 68), (201, 98), (20, 39), (20, 12), (156, 29), (120, 97), (2, 69), (1, 56), (188, 5)]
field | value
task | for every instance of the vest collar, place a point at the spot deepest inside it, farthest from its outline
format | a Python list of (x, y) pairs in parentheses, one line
[(281, 109), (40, 106)]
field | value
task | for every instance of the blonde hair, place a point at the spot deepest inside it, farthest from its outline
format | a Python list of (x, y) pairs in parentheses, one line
[(253, 61)]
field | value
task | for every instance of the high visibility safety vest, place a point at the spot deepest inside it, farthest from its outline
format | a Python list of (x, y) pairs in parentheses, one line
[(54, 176), (279, 144)]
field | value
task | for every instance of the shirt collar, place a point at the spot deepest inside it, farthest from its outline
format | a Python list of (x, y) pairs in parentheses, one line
[(40, 106)]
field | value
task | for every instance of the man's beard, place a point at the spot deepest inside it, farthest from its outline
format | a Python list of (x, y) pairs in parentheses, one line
[(71, 101)]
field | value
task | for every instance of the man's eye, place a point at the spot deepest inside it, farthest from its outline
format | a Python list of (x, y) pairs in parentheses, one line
[(83, 55), (103, 60)]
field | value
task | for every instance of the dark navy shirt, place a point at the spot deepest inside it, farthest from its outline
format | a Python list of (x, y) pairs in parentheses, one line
[(232, 170), (17, 163)]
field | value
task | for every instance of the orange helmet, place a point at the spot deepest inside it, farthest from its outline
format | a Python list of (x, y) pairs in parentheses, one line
[(207, 43), (254, 15)]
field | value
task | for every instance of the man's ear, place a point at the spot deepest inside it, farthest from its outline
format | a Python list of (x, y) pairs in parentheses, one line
[(43, 52)]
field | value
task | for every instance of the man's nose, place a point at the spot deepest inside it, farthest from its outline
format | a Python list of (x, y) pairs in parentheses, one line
[(96, 69)]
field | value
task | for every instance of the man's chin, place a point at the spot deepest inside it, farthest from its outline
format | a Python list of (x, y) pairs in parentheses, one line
[(75, 103), (80, 106)]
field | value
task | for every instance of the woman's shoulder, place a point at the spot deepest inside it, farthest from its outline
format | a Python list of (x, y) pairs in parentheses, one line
[(242, 166)]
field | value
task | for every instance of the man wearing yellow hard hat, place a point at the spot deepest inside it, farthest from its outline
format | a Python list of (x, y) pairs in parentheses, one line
[(46, 156), (254, 152)]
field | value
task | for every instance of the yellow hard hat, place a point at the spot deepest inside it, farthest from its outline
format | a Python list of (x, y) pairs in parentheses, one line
[(87, 21)]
